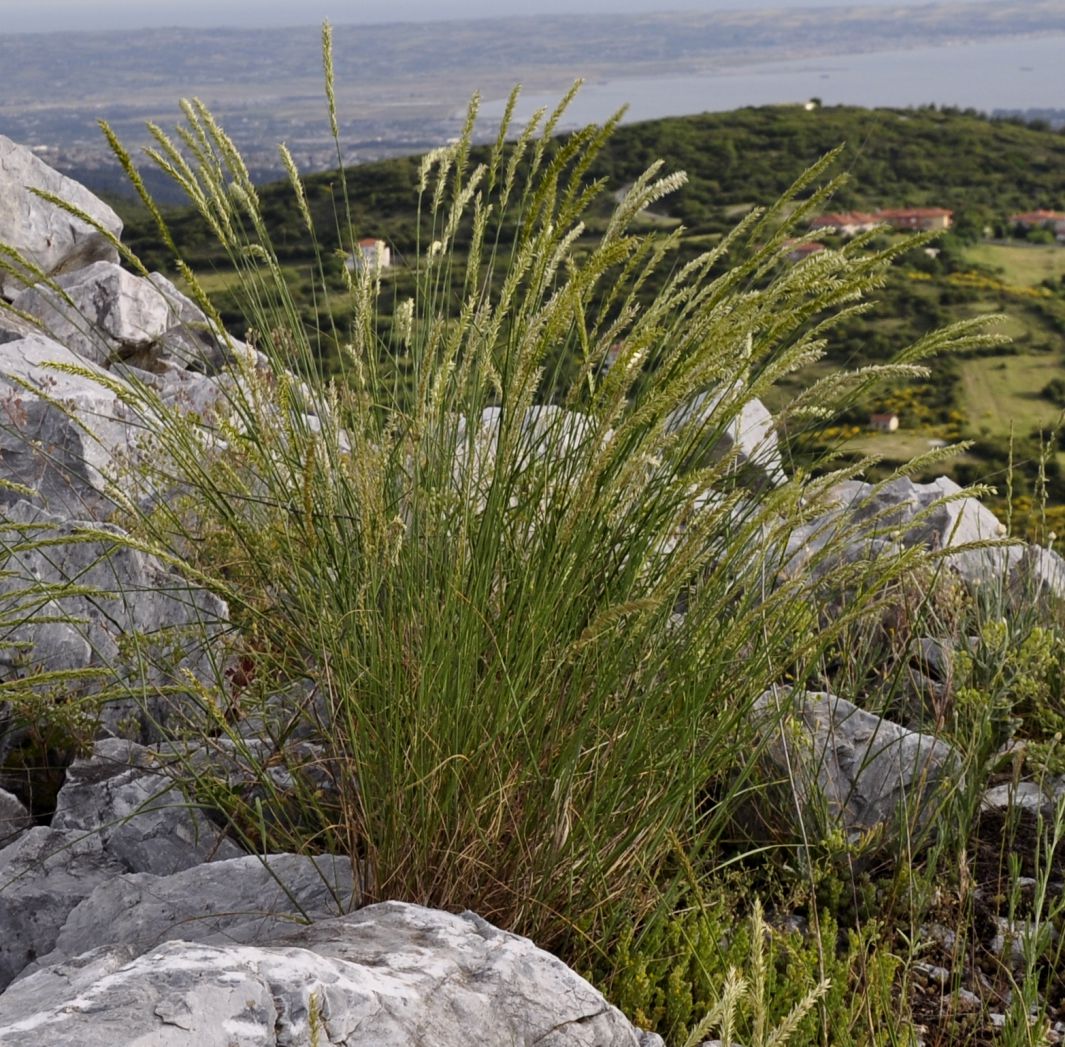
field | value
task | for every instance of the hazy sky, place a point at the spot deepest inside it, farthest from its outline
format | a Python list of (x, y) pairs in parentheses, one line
[(48, 15)]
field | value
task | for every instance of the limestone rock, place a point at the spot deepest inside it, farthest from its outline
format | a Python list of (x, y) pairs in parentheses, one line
[(851, 769), (14, 818), (546, 432), (108, 597), (62, 980), (934, 656), (1022, 796), (192, 341), (862, 522), (44, 874), (13, 327), (744, 431), (114, 313), (1014, 940), (247, 899), (63, 436), (46, 235), (1038, 574), (140, 817), (937, 516), (187, 391), (391, 975)]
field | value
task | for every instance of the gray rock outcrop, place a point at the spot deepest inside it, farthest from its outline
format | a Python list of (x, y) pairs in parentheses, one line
[(126, 860), (862, 522), (44, 873), (244, 900), (65, 435), (105, 313), (390, 975), (48, 236), (1038, 574), (14, 817), (938, 516), (850, 769), (138, 815), (106, 605), (745, 432)]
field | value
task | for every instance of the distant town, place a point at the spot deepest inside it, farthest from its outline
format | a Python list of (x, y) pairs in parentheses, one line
[(402, 89)]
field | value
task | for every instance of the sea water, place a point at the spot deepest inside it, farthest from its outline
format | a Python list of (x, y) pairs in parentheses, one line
[(1008, 73)]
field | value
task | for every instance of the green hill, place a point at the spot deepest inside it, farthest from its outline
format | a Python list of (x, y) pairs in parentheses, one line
[(983, 170)]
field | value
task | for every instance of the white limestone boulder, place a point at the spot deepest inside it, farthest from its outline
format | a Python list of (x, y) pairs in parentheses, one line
[(546, 432), (391, 975), (1038, 575), (241, 900), (714, 428), (107, 314), (938, 516), (13, 327), (47, 236), (111, 313), (64, 436), (863, 521), (192, 341)]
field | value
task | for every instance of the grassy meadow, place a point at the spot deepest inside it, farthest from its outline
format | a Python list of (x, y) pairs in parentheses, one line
[(1021, 264)]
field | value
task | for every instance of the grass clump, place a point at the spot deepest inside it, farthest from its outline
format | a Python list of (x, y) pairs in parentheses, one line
[(510, 572)]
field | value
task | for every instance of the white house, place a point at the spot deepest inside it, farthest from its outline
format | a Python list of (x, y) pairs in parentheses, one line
[(884, 423), (370, 253)]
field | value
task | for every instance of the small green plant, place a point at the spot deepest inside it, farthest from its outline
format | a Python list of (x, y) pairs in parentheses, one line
[(669, 974), (743, 1000), (1035, 935)]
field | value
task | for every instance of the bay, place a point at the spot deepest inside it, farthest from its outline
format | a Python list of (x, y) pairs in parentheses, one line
[(1008, 73)]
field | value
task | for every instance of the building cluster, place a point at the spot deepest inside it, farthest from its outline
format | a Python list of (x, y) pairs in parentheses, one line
[(926, 219), (849, 223), (920, 219), (1052, 220)]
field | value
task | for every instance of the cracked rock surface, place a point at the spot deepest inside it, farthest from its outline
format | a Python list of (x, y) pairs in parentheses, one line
[(48, 236), (104, 592), (391, 975), (852, 768)]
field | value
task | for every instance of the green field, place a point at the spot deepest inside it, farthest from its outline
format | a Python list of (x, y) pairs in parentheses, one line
[(1024, 265), (999, 391), (899, 446)]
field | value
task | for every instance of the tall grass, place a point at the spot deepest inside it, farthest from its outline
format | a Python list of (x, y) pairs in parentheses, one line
[(485, 594), (503, 610)]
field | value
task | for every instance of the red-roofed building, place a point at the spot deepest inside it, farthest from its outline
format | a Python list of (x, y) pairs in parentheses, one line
[(798, 251), (1038, 219), (370, 253), (846, 223), (884, 423), (1053, 220), (922, 218)]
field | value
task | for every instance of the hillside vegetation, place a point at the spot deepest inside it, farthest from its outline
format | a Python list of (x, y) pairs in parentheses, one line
[(983, 170)]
